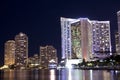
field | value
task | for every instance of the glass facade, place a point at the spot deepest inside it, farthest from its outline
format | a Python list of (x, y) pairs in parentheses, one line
[(76, 40)]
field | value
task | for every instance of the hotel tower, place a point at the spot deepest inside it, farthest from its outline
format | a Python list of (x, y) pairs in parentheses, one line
[(85, 39), (76, 38)]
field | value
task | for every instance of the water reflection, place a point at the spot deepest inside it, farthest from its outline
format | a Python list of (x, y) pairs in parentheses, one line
[(52, 75), (63, 74), (9, 75), (71, 74)]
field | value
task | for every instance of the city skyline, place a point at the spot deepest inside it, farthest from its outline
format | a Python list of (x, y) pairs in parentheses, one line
[(42, 23), (16, 54)]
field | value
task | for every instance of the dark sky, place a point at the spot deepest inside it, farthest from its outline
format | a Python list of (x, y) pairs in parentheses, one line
[(40, 20)]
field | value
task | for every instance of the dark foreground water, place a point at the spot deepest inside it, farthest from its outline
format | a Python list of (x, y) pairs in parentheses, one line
[(63, 74)]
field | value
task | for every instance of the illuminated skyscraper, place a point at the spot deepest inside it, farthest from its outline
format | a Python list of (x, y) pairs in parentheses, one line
[(101, 46), (9, 58), (48, 54), (118, 17), (117, 43), (21, 52), (80, 38), (76, 38)]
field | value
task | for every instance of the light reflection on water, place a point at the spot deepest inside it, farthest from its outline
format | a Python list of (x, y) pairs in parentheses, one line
[(52, 75), (63, 74)]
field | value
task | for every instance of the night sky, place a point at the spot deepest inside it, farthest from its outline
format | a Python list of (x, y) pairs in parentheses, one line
[(40, 19)]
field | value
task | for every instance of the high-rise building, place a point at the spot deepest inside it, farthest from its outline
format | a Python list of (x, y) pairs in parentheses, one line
[(9, 57), (34, 61), (83, 39), (21, 52), (48, 54), (118, 18), (76, 38), (101, 45), (117, 43)]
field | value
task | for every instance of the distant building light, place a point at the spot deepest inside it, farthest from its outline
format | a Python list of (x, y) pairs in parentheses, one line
[(52, 61)]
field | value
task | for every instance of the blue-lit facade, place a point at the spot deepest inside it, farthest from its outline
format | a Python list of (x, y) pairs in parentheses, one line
[(66, 37), (101, 46)]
